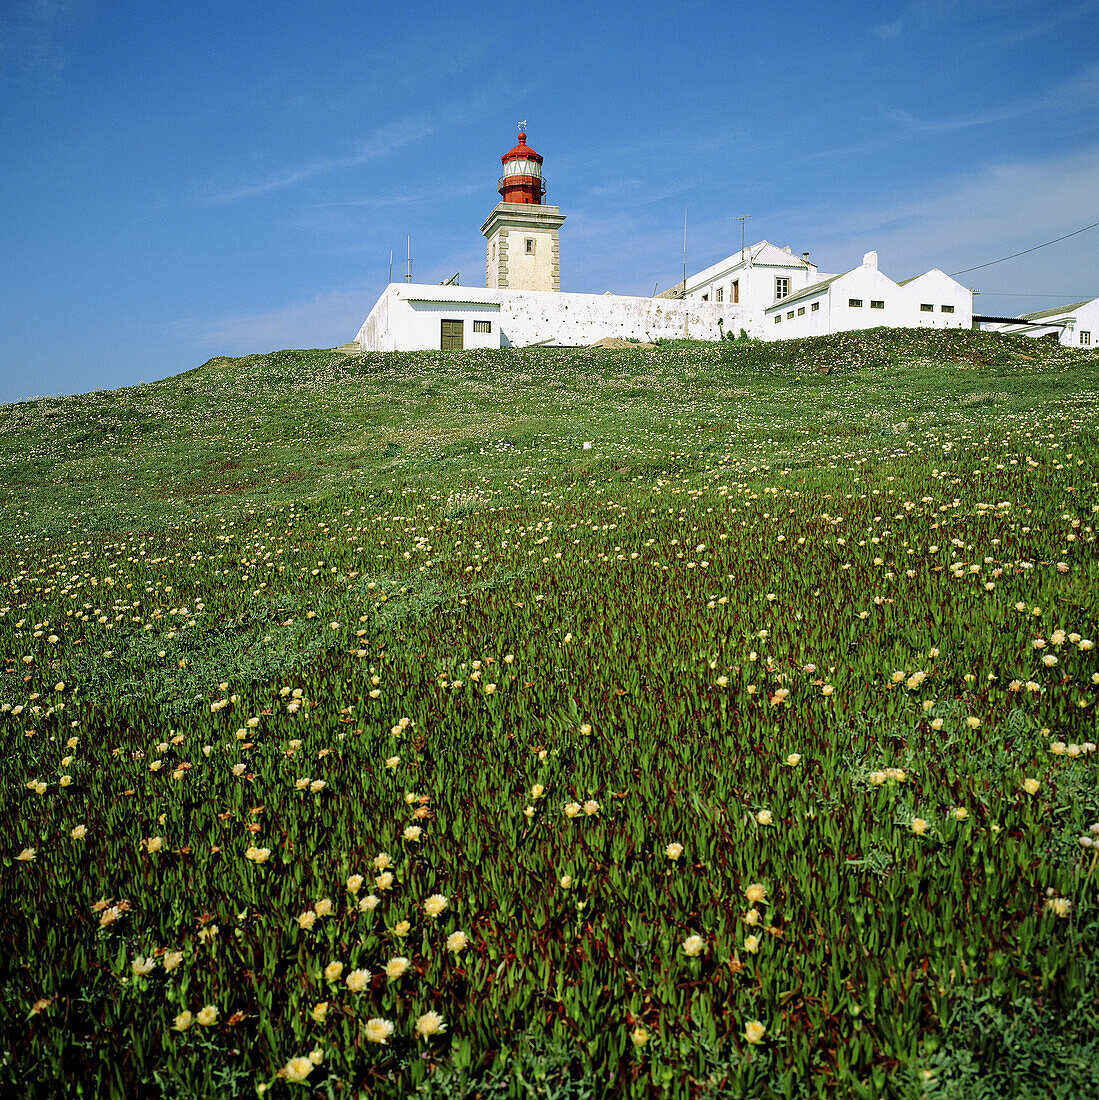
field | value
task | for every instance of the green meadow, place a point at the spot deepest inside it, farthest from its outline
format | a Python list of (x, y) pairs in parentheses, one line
[(715, 720)]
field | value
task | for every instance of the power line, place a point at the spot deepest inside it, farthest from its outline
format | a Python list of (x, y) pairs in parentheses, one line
[(1019, 294), (1074, 233)]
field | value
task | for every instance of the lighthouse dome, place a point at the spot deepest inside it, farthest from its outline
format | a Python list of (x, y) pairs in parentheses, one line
[(522, 177)]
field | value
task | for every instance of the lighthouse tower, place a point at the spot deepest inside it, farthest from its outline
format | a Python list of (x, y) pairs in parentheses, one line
[(521, 232)]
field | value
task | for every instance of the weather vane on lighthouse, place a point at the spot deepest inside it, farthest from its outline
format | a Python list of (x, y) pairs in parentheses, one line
[(523, 124)]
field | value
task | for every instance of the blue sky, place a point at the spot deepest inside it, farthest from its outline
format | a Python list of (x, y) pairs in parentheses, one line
[(186, 180)]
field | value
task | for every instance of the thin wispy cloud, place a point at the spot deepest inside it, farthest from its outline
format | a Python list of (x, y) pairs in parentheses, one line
[(34, 37), (382, 143)]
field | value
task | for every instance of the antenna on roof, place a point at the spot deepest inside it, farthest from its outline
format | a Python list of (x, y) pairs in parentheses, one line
[(742, 218), (408, 263)]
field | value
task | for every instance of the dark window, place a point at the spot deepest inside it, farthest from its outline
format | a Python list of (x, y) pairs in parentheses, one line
[(778, 318), (801, 311), (855, 303), (1085, 338), (926, 307), (814, 307), (530, 245), (876, 303), (482, 326), (451, 336), (790, 315), (719, 294), (736, 290), (705, 297), (947, 309)]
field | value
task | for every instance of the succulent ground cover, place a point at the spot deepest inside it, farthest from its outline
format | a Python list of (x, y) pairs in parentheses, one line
[(708, 720)]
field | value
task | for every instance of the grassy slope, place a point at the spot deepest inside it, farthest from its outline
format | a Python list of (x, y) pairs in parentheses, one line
[(306, 433)]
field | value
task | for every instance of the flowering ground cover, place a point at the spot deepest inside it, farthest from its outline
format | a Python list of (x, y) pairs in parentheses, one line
[(367, 732)]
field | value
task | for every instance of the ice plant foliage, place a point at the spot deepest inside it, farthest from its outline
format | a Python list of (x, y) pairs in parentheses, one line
[(360, 727)]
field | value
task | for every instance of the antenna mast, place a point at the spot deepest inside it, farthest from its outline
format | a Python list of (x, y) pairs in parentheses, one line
[(684, 295), (408, 263)]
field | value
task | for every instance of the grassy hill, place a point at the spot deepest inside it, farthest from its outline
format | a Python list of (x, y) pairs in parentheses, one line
[(708, 720)]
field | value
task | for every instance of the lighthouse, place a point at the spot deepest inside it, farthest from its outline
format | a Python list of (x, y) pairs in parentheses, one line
[(521, 233)]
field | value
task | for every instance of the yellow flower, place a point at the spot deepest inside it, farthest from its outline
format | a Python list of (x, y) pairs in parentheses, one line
[(878, 778), (183, 1021), (673, 851), (754, 1032), (392, 762), (402, 928), (751, 944), (430, 1023), (591, 807), (320, 1010), (65, 780), (536, 791), (207, 1016), (960, 813), (639, 1036), (919, 826), (565, 882), (794, 759), (694, 945), (457, 941), (317, 785), (154, 843), (369, 903), (436, 904), (172, 959), (572, 809), (333, 971), (354, 884), (323, 907), (258, 855), (306, 920), (378, 1030), (396, 967), (357, 980), (382, 860), (413, 832), (756, 892), (1031, 786), (297, 1069), (79, 833), (142, 965), (764, 817), (384, 881), (1061, 906)]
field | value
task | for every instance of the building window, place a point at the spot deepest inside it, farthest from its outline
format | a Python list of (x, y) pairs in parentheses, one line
[(530, 246), (790, 315), (494, 250), (855, 303), (947, 309), (736, 291), (778, 317), (814, 307), (876, 303), (782, 288), (926, 307), (719, 294), (482, 326), (801, 311), (705, 297), (1085, 338)]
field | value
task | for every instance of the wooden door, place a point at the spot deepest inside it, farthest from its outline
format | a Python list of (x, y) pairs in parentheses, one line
[(451, 336)]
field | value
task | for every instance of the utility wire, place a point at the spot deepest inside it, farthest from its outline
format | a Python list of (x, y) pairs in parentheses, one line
[(1074, 233)]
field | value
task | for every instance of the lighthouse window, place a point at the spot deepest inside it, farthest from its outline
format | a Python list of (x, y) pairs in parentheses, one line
[(530, 246), (782, 288), (482, 326)]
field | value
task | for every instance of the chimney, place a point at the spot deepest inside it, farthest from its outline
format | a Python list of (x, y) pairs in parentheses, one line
[(805, 256), (870, 260)]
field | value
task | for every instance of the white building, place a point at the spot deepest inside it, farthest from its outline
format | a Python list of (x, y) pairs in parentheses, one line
[(1076, 325), (754, 278), (419, 317), (864, 297)]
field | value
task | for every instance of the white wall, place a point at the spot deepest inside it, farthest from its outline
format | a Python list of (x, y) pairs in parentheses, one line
[(407, 316), (937, 289)]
